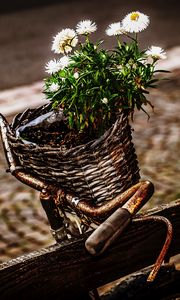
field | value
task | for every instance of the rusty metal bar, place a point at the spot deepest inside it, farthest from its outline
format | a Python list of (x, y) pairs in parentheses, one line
[(141, 196), (105, 209), (165, 247), (47, 199), (12, 163)]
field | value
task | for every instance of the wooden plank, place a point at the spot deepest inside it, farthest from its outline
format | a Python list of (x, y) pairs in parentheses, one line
[(68, 270), (135, 286)]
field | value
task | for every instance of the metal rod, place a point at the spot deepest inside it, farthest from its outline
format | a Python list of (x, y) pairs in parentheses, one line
[(141, 196), (105, 209), (30, 180), (112, 227), (12, 163), (165, 247), (48, 203)]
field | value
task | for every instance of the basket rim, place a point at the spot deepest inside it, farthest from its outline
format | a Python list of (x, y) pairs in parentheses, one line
[(91, 144), (97, 170)]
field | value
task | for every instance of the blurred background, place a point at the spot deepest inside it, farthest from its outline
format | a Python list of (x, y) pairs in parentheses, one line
[(27, 29), (26, 32)]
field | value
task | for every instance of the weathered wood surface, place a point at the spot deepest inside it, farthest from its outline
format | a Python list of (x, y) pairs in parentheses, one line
[(135, 286), (67, 270)]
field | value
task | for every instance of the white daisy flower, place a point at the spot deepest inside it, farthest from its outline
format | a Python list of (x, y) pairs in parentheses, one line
[(115, 29), (76, 75), (105, 100), (135, 22), (64, 41), (156, 52), (53, 66), (86, 27), (54, 87), (64, 61)]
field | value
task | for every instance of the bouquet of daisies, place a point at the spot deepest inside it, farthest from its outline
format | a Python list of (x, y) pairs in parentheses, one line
[(91, 84)]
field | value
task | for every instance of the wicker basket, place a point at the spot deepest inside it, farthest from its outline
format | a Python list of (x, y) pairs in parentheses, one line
[(97, 171)]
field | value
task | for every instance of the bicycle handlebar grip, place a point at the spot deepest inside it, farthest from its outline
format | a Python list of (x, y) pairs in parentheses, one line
[(108, 231)]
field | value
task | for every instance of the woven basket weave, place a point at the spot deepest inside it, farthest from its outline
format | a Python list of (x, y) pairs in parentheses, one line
[(97, 171)]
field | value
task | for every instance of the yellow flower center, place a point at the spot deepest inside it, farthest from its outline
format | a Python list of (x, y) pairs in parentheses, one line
[(134, 16)]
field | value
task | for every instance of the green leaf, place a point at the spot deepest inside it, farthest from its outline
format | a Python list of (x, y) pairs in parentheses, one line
[(92, 118), (71, 120), (122, 75)]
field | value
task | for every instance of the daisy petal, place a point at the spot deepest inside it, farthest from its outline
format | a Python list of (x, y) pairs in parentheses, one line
[(115, 29), (156, 52), (85, 27), (135, 22), (64, 41)]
